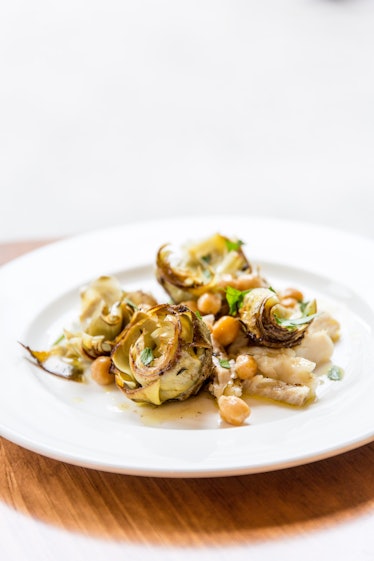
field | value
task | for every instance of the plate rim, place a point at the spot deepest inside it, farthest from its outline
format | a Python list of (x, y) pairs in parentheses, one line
[(62, 245)]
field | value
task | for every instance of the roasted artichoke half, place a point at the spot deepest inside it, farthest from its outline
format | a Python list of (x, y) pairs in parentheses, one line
[(269, 324), (105, 310), (193, 269), (165, 353)]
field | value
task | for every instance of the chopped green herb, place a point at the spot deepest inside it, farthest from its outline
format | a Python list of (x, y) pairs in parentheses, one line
[(206, 258), (303, 306), (235, 298), (225, 363), (293, 323), (272, 289), (198, 314), (58, 340), (233, 246), (335, 373), (146, 356)]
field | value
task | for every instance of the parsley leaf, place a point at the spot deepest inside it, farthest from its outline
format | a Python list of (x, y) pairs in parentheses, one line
[(146, 356), (335, 373), (224, 363), (293, 323), (235, 298), (233, 246), (197, 313), (59, 340), (303, 306)]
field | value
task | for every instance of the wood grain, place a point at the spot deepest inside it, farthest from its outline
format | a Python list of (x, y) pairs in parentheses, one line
[(212, 511), (200, 512)]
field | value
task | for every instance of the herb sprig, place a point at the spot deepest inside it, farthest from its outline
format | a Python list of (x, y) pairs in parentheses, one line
[(335, 373), (235, 298), (293, 323), (233, 245), (146, 356), (224, 363)]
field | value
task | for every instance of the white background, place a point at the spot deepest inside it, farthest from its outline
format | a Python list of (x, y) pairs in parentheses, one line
[(119, 111)]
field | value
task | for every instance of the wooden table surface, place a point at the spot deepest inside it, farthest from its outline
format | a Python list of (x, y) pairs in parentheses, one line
[(215, 514)]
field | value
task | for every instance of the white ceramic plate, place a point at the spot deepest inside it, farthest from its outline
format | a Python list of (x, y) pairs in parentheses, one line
[(87, 425)]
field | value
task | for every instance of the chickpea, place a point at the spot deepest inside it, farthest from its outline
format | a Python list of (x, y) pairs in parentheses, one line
[(226, 280), (244, 282), (190, 304), (245, 367), (293, 293), (209, 303), (100, 371), (233, 410), (226, 330), (288, 302)]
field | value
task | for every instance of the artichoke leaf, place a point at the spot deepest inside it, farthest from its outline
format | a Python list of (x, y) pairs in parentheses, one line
[(147, 394), (58, 362), (107, 323), (138, 299), (101, 293), (95, 346), (139, 325), (177, 382)]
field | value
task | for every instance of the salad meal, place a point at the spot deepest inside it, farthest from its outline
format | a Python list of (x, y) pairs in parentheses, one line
[(222, 328)]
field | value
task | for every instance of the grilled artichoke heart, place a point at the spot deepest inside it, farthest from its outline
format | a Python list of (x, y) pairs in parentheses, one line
[(268, 323), (187, 272), (164, 354)]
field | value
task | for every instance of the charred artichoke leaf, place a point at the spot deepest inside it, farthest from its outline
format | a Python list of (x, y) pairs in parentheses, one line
[(189, 271), (95, 345), (164, 354), (270, 324), (60, 362)]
